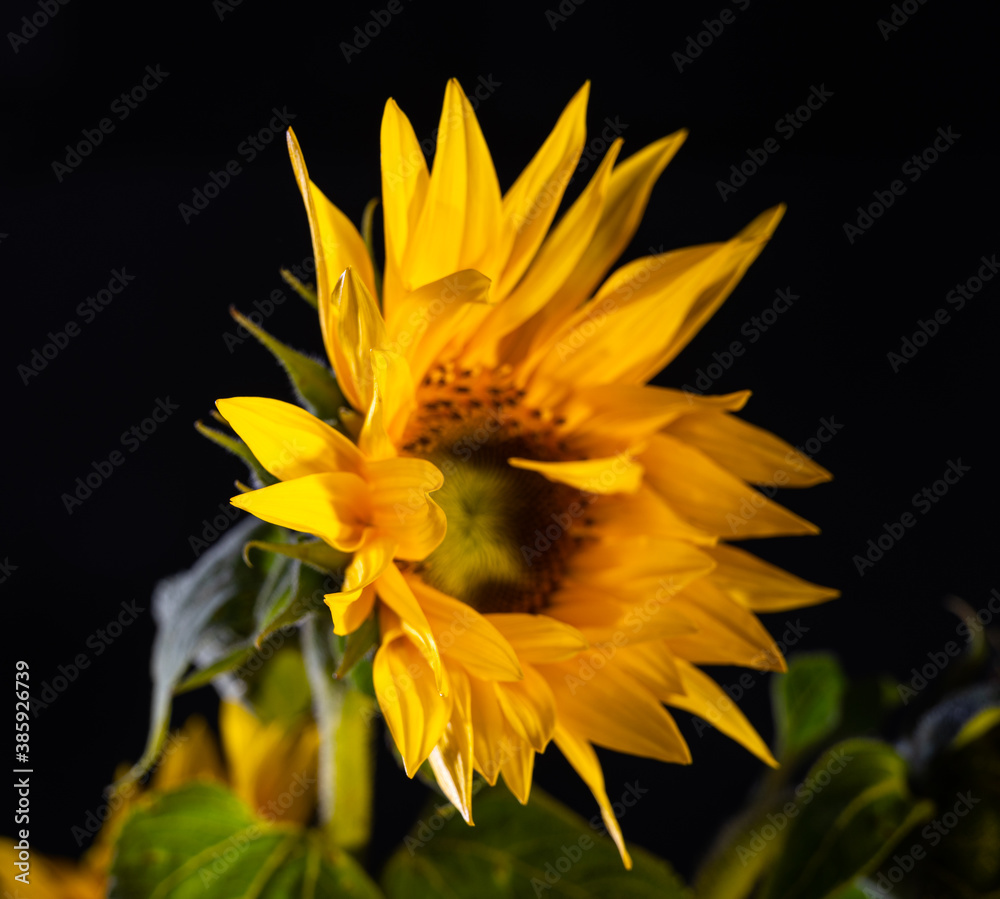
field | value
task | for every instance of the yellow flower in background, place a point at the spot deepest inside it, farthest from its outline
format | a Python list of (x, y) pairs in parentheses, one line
[(270, 766), (543, 537)]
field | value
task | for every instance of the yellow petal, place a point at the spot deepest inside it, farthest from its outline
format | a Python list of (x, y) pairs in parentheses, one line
[(762, 587), (404, 180), (712, 498), (360, 329), (492, 740), (392, 399), (451, 759), (460, 223), (627, 195), (529, 708), (431, 317), (747, 451), (395, 592), (619, 474), (369, 563), (539, 638), (467, 637), (264, 760), (644, 514), (287, 440), (415, 712), (531, 203), (580, 754), (652, 664), (727, 633), (336, 242), (401, 508), (602, 418), (517, 769), (706, 699), (746, 246), (193, 755), (334, 506), (609, 707), (526, 307)]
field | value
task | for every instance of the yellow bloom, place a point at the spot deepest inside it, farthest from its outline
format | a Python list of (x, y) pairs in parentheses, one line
[(271, 767), (571, 570)]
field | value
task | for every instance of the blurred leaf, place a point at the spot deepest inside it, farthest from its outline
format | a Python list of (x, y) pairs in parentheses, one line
[(314, 384), (302, 596), (807, 702), (202, 841), (938, 729), (280, 689), (190, 622), (854, 807), (542, 849)]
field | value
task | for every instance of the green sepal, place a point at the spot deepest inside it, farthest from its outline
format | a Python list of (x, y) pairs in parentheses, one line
[(238, 448), (316, 554), (314, 384), (306, 291)]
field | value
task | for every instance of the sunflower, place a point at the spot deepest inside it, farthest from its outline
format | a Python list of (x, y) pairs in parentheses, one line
[(543, 537)]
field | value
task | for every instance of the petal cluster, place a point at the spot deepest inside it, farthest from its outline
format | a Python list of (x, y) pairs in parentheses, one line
[(486, 301)]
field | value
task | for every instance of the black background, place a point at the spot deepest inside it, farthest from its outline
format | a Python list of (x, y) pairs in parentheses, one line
[(164, 336)]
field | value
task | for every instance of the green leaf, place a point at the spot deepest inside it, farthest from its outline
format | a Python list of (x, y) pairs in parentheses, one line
[(852, 808), (807, 702), (202, 841), (314, 384), (302, 596), (307, 292), (542, 849), (197, 614)]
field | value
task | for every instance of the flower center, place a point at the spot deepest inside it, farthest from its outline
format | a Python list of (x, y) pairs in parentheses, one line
[(510, 532)]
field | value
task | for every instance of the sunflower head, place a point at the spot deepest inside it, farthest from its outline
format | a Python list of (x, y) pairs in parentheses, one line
[(544, 538)]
